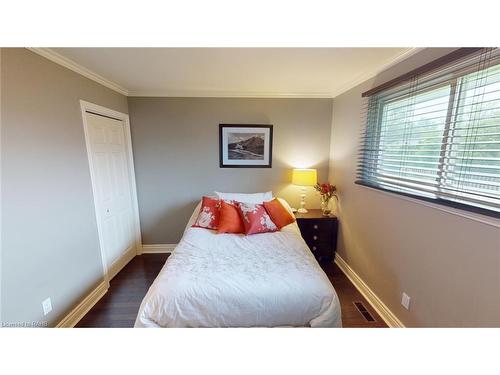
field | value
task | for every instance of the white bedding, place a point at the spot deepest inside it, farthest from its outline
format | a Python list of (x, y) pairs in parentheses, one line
[(232, 280)]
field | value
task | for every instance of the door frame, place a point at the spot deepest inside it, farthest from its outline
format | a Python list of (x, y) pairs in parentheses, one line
[(100, 110)]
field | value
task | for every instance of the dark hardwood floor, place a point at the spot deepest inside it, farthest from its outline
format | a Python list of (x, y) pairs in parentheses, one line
[(118, 308), (348, 294)]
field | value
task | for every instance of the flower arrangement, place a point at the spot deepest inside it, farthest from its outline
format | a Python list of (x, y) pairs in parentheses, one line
[(326, 191)]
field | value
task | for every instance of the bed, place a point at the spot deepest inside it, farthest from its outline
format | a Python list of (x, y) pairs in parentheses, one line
[(233, 280)]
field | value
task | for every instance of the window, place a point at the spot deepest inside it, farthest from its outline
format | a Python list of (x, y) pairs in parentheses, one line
[(437, 136)]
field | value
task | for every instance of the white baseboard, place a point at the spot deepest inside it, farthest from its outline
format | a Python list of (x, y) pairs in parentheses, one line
[(377, 304), (70, 320), (158, 248), (122, 262)]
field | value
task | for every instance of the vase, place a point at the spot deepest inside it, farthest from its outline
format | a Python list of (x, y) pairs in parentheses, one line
[(325, 206)]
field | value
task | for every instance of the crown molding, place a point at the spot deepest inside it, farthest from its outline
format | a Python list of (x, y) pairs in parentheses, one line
[(408, 52), (226, 94), (70, 64), (77, 68)]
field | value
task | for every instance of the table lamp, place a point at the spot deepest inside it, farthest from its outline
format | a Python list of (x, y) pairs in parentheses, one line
[(303, 178)]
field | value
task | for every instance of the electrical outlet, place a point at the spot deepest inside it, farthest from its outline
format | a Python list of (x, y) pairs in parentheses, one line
[(47, 306), (405, 301)]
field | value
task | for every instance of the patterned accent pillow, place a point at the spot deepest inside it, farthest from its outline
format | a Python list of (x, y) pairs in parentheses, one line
[(209, 214), (255, 218)]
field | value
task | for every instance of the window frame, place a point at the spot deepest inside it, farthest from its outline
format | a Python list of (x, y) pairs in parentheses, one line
[(455, 83)]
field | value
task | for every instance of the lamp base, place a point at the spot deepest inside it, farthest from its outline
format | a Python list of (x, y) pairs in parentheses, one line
[(302, 209)]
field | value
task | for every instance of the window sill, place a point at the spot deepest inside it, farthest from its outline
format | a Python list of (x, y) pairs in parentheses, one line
[(488, 220)]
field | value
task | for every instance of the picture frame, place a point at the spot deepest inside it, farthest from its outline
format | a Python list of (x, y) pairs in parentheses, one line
[(245, 146)]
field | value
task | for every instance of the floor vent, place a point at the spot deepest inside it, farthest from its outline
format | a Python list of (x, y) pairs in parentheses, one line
[(363, 311)]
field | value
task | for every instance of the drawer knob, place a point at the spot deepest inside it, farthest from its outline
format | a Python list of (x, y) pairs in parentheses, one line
[(315, 237), (315, 226)]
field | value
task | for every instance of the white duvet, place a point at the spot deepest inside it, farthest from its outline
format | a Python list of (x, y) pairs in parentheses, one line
[(232, 280)]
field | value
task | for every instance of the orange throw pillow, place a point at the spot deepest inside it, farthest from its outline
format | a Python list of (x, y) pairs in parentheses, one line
[(279, 214), (230, 219)]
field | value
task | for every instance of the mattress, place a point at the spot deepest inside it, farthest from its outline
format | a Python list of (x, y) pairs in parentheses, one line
[(233, 280)]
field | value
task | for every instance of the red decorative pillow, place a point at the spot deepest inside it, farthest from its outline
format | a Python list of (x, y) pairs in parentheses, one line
[(279, 214), (209, 215), (255, 218), (230, 220)]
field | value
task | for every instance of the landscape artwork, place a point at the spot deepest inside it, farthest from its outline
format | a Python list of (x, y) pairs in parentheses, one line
[(245, 146)]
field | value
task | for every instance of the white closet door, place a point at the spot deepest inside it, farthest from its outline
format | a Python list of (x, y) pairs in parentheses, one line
[(112, 190)]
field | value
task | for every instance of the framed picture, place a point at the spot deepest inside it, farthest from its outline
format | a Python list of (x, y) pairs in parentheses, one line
[(245, 146)]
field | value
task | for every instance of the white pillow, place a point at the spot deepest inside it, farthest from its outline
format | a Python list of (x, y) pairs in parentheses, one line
[(246, 198)]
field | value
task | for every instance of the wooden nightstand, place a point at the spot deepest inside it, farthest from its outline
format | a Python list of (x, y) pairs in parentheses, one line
[(320, 233)]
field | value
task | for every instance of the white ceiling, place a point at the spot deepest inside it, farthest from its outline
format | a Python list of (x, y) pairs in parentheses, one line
[(229, 72)]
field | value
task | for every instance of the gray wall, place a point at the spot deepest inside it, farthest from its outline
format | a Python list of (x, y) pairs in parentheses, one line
[(50, 245), (176, 153), (448, 264)]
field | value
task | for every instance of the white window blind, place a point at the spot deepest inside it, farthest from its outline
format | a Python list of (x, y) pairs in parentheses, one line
[(437, 135)]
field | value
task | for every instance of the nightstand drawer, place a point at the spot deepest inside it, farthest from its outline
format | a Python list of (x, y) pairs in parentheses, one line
[(320, 249), (317, 226), (318, 237), (319, 233)]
